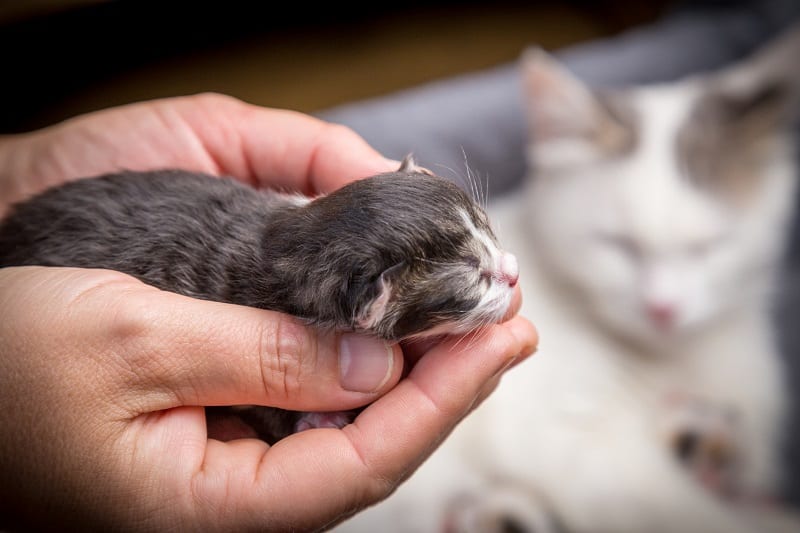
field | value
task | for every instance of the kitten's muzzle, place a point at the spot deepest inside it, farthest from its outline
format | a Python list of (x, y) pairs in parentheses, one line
[(507, 270)]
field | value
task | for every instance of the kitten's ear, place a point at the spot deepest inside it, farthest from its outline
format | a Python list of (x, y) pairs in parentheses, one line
[(409, 166), (375, 311)]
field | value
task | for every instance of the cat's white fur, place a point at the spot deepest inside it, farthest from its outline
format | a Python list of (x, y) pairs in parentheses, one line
[(578, 435)]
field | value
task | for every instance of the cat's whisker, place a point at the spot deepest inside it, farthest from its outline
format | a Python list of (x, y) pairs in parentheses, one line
[(480, 332), (485, 203), (461, 339), (476, 335), (470, 177), (467, 182), (476, 191), (480, 187)]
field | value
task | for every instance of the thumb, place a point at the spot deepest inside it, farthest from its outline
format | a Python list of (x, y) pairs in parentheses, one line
[(186, 351)]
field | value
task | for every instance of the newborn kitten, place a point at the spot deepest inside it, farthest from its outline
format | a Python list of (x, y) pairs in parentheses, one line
[(400, 255)]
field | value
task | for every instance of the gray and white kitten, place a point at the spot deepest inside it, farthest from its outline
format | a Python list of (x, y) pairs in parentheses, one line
[(400, 255)]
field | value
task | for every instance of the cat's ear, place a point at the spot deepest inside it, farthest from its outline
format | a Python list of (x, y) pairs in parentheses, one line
[(561, 107), (409, 166), (762, 92), (558, 103), (375, 312)]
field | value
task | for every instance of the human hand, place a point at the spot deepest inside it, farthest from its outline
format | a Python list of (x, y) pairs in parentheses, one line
[(104, 378), (208, 133), (103, 383)]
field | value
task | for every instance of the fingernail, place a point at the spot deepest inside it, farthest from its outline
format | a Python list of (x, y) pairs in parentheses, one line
[(365, 363)]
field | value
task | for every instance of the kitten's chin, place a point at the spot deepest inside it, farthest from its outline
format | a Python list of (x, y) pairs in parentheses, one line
[(486, 313)]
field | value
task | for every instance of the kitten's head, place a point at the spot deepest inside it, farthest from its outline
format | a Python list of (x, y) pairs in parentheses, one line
[(416, 255), (662, 207)]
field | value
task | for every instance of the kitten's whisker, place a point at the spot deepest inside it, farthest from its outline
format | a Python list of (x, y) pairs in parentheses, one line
[(480, 190), (476, 193), (480, 332), (461, 339), (485, 203), (458, 178), (468, 183), (473, 338)]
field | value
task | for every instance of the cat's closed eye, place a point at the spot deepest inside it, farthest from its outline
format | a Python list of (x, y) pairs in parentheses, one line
[(705, 246), (620, 242), (472, 261), (701, 249)]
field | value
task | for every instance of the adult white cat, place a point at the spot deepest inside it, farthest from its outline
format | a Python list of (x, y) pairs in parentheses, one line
[(649, 239)]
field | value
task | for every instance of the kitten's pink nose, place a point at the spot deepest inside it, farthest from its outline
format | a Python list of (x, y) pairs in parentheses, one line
[(508, 269)]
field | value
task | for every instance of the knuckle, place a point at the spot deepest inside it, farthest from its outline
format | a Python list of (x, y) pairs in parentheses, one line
[(129, 321), (379, 488), (287, 353), (131, 332), (118, 328), (116, 301)]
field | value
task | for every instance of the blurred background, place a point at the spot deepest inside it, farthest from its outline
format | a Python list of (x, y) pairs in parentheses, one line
[(62, 58)]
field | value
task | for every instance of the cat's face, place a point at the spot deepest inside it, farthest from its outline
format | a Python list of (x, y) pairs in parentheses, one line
[(661, 208), (459, 282), (420, 256)]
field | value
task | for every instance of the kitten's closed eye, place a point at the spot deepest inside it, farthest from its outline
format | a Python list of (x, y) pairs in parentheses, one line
[(472, 261)]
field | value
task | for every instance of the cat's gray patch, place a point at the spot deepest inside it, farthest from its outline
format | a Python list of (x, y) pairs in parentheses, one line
[(718, 145), (736, 113)]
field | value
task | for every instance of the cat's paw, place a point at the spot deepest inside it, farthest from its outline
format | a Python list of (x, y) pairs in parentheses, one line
[(333, 419), (500, 509), (703, 438)]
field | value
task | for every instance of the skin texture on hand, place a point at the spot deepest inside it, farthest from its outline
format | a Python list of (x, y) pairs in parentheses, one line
[(103, 378), (208, 133)]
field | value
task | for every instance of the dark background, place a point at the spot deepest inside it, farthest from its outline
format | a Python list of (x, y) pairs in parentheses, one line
[(62, 58)]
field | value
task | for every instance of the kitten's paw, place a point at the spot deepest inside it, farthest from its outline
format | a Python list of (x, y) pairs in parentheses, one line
[(702, 436), (334, 419), (500, 509)]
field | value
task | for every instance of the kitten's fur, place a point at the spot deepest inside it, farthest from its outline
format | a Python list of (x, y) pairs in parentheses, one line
[(649, 240), (400, 255)]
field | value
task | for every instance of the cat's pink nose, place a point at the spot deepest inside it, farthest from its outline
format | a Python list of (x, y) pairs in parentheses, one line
[(661, 314), (508, 269)]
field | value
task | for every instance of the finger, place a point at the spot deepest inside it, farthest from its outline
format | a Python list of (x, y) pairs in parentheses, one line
[(332, 470), (441, 388), (184, 351), (280, 148)]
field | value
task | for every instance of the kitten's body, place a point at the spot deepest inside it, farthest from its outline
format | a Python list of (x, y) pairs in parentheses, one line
[(647, 254), (363, 258)]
